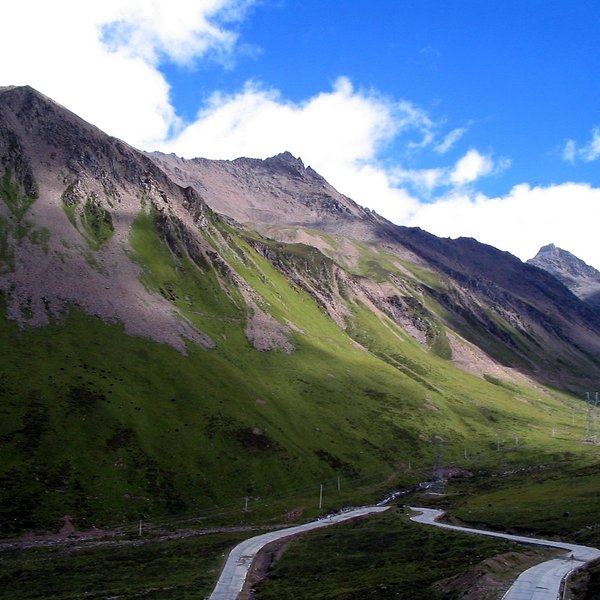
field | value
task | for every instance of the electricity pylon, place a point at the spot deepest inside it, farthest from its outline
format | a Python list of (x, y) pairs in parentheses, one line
[(591, 434), (439, 445)]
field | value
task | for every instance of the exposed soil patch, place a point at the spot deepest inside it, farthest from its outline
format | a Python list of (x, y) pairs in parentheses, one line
[(493, 576), (584, 584), (261, 565)]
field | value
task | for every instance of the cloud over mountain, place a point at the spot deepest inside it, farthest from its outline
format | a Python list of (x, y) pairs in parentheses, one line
[(109, 63)]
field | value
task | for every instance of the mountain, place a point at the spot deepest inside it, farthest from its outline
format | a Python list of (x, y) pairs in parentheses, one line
[(181, 334), (519, 316), (579, 277), (277, 191)]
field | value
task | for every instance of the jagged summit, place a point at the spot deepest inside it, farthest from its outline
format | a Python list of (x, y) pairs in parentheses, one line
[(582, 279), (279, 190)]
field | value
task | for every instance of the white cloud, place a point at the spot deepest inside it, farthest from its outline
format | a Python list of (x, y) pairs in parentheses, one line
[(591, 151), (588, 153), (471, 167), (179, 29), (467, 170), (570, 151), (449, 140), (522, 221), (100, 58), (337, 126), (339, 133), (425, 181)]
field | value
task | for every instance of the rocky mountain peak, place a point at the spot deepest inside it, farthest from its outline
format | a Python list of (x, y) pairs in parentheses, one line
[(69, 196), (24, 106), (278, 190), (286, 157), (582, 279)]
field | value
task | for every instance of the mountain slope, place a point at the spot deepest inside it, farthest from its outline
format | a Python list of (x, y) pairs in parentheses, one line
[(520, 316), (159, 357), (579, 277), (71, 194)]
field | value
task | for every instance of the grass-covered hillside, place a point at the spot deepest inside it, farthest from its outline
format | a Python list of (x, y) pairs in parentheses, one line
[(108, 427), (159, 359)]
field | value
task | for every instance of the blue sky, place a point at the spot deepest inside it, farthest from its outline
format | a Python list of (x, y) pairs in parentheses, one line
[(477, 118), (520, 76)]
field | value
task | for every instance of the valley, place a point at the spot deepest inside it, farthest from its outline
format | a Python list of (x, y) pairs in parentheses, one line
[(190, 345)]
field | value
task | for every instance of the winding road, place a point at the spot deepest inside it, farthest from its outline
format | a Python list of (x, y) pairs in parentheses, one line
[(240, 558), (541, 582)]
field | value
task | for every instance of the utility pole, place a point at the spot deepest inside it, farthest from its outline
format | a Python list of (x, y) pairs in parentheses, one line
[(246, 504), (140, 529), (339, 484), (321, 497), (439, 444)]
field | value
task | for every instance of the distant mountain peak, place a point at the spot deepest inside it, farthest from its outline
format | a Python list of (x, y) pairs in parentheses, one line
[(582, 279)]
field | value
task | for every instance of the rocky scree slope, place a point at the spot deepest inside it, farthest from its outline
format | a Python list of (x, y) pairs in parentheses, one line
[(277, 191), (72, 196), (496, 298)]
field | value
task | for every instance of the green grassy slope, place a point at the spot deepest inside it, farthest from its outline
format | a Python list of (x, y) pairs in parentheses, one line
[(109, 428), (389, 557), (159, 569), (556, 499)]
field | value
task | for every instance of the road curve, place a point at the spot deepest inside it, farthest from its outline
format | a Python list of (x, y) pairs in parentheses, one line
[(541, 582), (240, 558)]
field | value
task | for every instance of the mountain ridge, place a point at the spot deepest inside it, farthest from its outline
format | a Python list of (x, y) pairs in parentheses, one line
[(82, 170), (173, 343), (104, 178), (265, 189), (485, 271)]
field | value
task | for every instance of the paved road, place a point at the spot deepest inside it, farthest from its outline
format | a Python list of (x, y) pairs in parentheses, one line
[(240, 558), (541, 582)]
